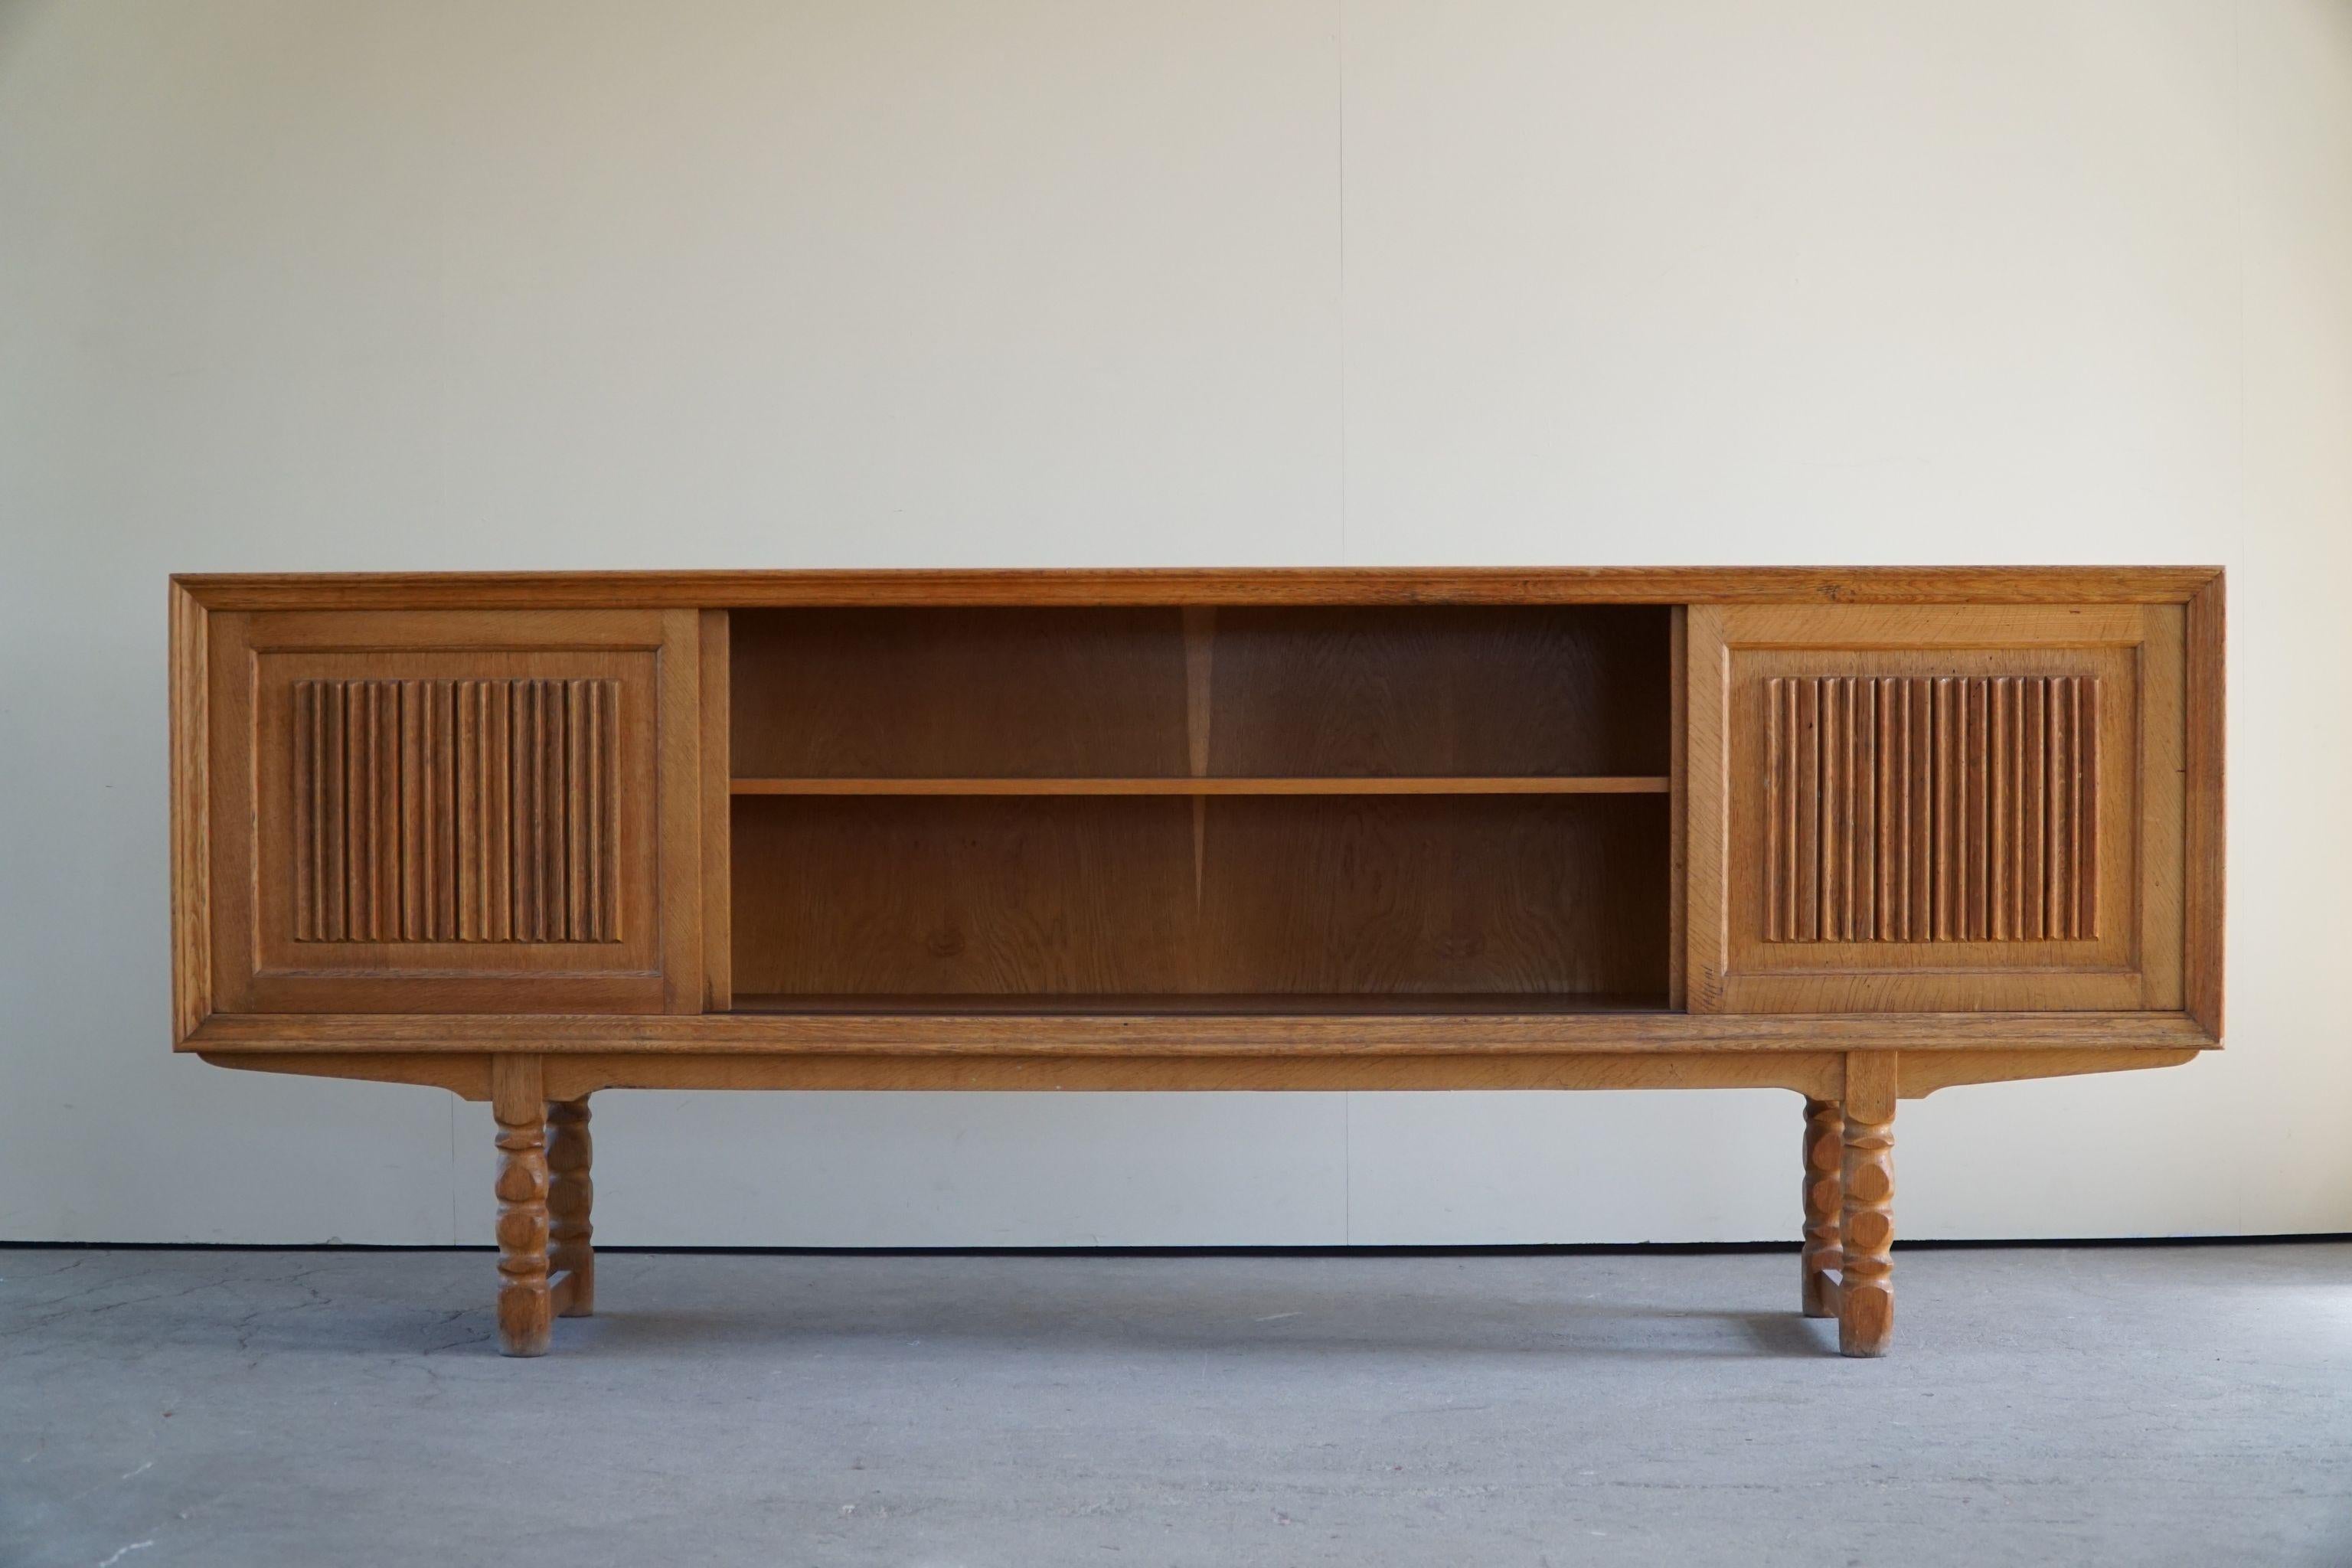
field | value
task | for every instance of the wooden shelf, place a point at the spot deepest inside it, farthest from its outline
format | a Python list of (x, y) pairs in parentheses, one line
[(1283, 1003), (1581, 784)]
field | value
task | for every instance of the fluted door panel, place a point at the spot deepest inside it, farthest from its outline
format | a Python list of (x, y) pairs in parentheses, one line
[(445, 812), (1931, 808), (456, 810)]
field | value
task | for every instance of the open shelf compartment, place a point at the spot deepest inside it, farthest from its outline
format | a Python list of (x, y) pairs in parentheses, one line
[(1414, 809)]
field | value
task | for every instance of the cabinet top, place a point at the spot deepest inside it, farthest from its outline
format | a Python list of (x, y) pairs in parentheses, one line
[(1220, 585)]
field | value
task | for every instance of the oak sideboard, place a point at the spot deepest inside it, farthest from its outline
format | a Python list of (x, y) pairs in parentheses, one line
[(1858, 834)]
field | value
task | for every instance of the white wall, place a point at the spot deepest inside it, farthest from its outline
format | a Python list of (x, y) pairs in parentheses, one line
[(436, 285)]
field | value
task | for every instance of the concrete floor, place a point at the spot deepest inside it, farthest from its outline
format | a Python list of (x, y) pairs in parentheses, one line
[(2102, 1405)]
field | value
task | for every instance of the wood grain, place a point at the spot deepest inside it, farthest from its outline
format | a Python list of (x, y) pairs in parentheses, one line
[(1659, 785), (466, 1074), (1072, 897), (1867, 1223), (1678, 806), (1200, 714), (1850, 774), (1704, 808), (1009, 692), (1925, 1071), (2204, 805), (1881, 831), (718, 854), (1442, 691), (440, 806), (1816, 1074), (191, 727), (518, 1105), (1070, 1026), (570, 1199), (1146, 694), (678, 779), (1262, 1005), (1935, 809), (456, 810), (1809, 1073), (1227, 586), (1823, 1193)]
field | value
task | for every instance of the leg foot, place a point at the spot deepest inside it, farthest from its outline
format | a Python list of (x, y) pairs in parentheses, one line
[(526, 1312), (569, 1195), (1825, 1193), (1866, 1295)]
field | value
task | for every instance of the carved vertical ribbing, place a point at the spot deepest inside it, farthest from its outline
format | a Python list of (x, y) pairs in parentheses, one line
[(1806, 864), (412, 889), (1885, 811), (307, 802), (525, 1310), (358, 892), (1952, 808), (2086, 809), (387, 863), (456, 810), (1997, 809), (2058, 893), (2033, 810), (1919, 811), (1867, 1290), (1976, 855), (1830, 804), (1776, 794), (1824, 1193), (1862, 818), (529, 834), (570, 1196)]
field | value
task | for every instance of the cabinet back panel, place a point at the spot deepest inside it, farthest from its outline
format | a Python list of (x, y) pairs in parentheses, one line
[(1238, 692), (1072, 896), (1011, 693), (1440, 690)]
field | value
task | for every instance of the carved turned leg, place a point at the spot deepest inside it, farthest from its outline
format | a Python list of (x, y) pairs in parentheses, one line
[(1866, 1294), (569, 1197), (1824, 1191), (526, 1312)]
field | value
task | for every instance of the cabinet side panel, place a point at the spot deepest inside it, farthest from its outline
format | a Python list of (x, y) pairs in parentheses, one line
[(226, 738), (2207, 736), (192, 945), (2165, 870)]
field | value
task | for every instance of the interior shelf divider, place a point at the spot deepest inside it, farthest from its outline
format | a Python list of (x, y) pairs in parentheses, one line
[(1583, 783)]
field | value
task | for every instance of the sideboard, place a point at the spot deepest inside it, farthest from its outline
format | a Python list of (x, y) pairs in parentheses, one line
[(1858, 834)]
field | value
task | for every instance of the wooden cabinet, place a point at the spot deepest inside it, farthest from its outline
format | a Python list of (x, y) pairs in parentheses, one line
[(1857, 835)]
